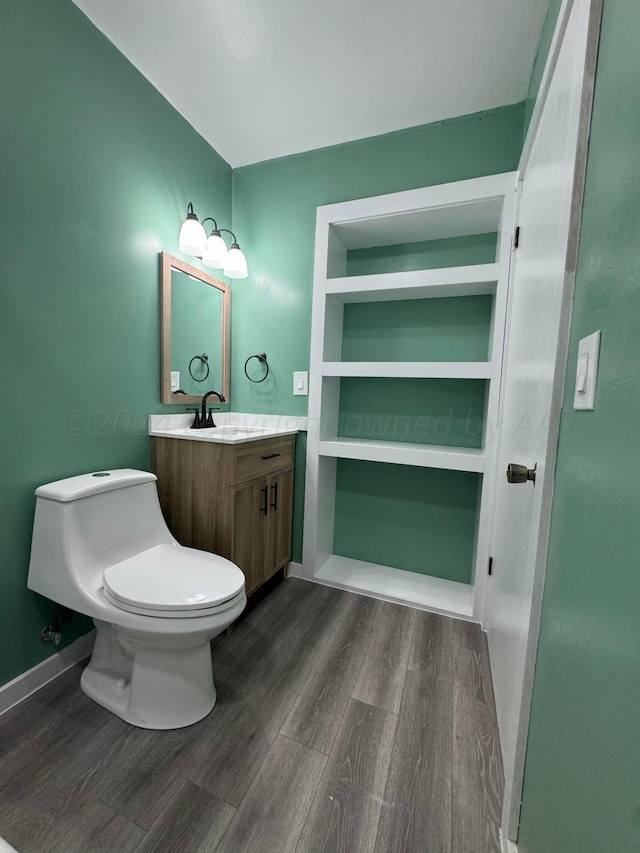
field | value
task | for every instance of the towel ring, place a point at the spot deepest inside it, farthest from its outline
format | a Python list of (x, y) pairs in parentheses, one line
[(204, 358), (262, 358)]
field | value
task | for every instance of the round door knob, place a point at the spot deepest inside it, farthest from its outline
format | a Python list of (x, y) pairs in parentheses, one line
[(520, 473)]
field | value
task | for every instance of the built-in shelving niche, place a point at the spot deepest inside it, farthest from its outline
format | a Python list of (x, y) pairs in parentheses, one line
[(407, 335), (445, 412), (448, 329), (417, 519), (467, 250)]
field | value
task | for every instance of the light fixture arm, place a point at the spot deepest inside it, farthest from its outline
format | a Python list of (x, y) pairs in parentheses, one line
[(211, 219), (230, 232)]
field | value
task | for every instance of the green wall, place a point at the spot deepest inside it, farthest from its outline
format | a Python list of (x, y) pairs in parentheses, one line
[(274, 211), (581, 792), (96, 170)]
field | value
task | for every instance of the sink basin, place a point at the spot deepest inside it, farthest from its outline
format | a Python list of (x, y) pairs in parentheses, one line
[(229, 433), (235, 430)]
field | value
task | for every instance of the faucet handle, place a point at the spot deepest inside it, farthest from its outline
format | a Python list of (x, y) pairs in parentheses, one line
[(196, 420), (210, 422)]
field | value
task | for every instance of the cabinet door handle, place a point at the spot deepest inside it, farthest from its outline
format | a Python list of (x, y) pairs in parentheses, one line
[(271, 456), (265, 507), (274, 503)]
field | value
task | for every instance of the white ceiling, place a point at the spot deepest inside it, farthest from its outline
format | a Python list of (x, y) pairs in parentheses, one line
[(266, 78)]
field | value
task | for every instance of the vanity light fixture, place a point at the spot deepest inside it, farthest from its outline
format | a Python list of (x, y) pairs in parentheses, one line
[(213, 250)]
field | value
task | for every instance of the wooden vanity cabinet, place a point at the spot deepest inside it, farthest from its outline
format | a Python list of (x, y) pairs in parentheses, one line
[(232, 499)]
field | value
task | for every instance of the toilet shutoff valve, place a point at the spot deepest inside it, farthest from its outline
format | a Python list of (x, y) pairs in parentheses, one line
[(50, 634)]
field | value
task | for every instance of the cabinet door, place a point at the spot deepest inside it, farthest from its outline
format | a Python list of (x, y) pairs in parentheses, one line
[(278, 534), (249, 504)]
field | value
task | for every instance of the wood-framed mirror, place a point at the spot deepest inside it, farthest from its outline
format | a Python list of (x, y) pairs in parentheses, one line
[(196, 316)]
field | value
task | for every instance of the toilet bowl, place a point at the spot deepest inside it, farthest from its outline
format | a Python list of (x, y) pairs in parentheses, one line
[(101, 547)]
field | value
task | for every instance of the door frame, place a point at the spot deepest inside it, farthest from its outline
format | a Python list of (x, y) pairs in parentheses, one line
[(589, 34)]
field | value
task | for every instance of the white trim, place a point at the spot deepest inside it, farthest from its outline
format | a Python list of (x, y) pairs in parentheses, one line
[(507, 846), (42, 673), (295, 571), (484, 518), (547, 76)]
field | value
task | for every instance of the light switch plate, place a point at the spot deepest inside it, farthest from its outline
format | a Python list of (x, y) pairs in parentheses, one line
[(584, 397), (175, 380), (301, 383)]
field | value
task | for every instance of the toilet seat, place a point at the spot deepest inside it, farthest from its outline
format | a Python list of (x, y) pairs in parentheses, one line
[(170, 581)]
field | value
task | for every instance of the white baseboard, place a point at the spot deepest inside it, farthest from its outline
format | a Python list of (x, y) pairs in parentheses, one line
[(295, 571), (33, 679), (506, 845)]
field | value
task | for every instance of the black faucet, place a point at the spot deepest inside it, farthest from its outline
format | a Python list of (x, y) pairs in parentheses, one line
[(203, 420)]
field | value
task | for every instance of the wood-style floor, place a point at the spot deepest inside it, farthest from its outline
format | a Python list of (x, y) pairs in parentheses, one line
[(343, 724)]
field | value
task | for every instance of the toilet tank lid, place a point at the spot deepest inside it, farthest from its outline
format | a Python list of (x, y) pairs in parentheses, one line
[(85, 485)]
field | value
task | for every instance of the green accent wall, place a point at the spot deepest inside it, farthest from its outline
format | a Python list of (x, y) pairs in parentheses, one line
[(274, 212), (418, 519), (96, 170), (581, 792)]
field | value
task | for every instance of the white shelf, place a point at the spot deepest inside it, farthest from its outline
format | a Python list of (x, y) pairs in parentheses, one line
[(389, 584), (405, 453), (473, 206), (409, 369), (474, 280)]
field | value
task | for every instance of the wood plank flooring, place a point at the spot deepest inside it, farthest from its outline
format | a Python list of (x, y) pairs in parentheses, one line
[(343, 725)]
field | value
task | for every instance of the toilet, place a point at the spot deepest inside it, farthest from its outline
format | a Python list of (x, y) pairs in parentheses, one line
[(101, 547)]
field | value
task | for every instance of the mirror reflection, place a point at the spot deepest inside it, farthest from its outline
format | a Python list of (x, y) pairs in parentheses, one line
[(195, 332)]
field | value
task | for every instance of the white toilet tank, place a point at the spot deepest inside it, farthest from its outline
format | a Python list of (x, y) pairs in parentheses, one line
[(85, 524)]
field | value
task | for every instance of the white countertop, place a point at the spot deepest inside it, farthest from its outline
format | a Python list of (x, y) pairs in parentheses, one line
[(231, 427)]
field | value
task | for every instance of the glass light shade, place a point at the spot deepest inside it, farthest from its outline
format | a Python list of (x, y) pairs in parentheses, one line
[(215, 252), (192, 237), (236, 265)]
